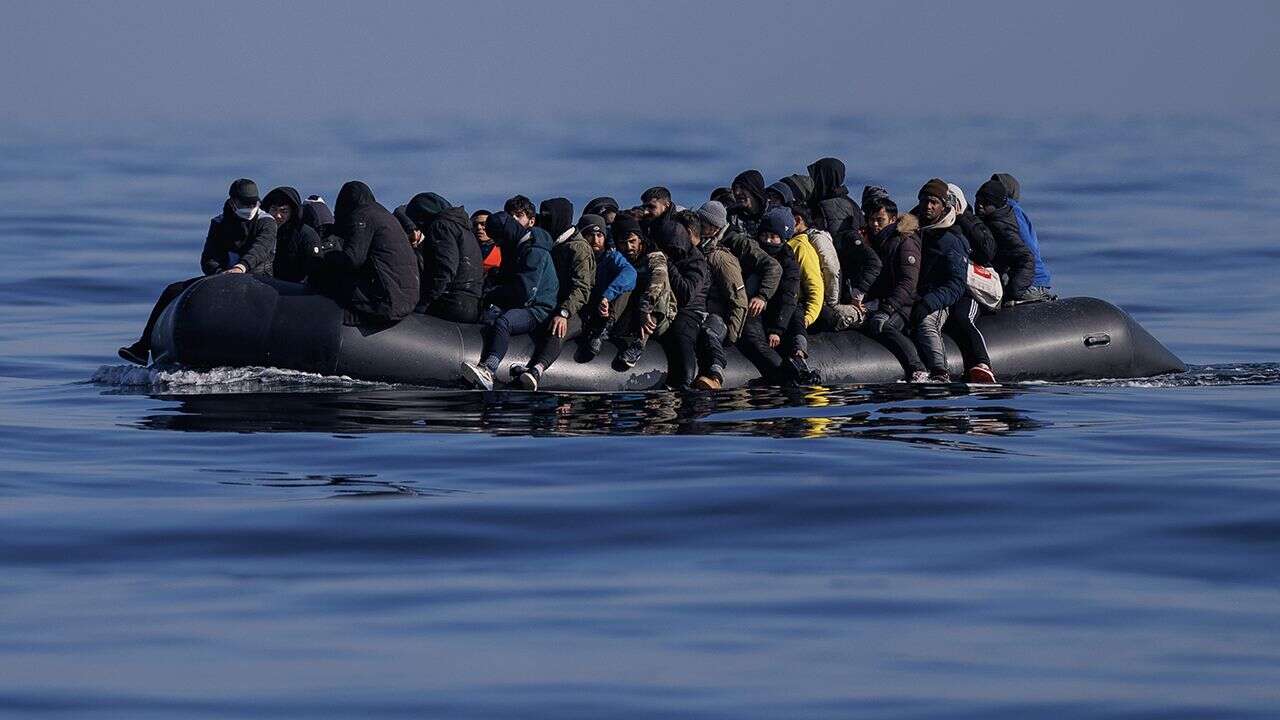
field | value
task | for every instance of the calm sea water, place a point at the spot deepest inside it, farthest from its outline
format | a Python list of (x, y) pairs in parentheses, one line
[(258, 543)]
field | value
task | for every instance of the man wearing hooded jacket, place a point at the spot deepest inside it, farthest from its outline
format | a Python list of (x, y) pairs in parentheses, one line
[(834, 211), (689, 276), (240, 240), (750, 202), (375, 274), (297, 244), (453, 273)]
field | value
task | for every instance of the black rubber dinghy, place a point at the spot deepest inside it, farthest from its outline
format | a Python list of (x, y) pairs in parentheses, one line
[(243, 320)]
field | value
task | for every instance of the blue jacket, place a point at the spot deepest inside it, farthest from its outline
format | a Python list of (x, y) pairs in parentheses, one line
[(944, 253), (614, 274), (529, 280), (1028, 234)]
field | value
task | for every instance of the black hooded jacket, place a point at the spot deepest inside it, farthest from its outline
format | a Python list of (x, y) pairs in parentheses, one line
[(837, 213), (687, 268), (297, 244), (1012, 257), (777, 314), (741, 218), (452, 262), (982, 246), (375, 275), (232, 241)]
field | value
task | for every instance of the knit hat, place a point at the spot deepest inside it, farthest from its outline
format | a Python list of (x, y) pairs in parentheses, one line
[(244, 190), (935, 188), (424, 207), (870, 192), (780, 222), (714, 213), (623, 225), (955, 198), (590, 222), (784, 191), (992, 193)]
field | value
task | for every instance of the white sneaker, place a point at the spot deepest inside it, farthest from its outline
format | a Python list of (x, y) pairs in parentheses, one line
[(478, 375), (920, 376)]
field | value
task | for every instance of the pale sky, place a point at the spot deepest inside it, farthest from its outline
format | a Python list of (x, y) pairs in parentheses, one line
[(113, 62)]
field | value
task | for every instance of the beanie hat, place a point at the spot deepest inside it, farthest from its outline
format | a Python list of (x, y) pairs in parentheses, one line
[(870, 192), (592, 222), (600, 206), (780, 222), (956, 198), (244, 190), (936, 188), (424, 207), (623, 225), (992, 193), (714, 213), (784, 191)]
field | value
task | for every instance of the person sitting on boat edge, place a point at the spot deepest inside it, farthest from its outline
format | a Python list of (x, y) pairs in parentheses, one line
[(687, 272), (240, 240), (522, 297), (1010, 257), (749, 202), (1041, 288), (453, 276), (615, 281), (374, 277), (652, 305), (962, 317), (832, 315), (297, 244), (891, 297), (776, 342), (942, 274), (726, 296), (575, 264)]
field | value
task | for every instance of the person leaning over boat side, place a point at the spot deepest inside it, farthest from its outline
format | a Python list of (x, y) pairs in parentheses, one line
[(575, 275), (1011, 258), (453, 275), (963, 315), (1041, 286), (297, 244), (615, 281), (374, 277), (749, 202), (652, 306), (688, 274), (240, 240), (726, 299), (897, 239), (942, 274), (521, 299)]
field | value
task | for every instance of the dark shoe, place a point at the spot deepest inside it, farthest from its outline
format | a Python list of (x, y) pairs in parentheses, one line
[(981, 373), (631, 355), (479, 376), (517, 370), (136, 353), (802, 373), (528, 380), (595, 344), (939, 376)]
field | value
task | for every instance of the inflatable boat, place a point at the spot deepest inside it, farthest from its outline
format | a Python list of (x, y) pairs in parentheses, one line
[(247, 320)]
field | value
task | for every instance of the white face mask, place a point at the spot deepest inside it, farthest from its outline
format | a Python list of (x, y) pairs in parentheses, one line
[(246, 213)]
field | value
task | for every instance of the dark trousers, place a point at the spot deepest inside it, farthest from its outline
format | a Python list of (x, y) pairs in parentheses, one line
[(754, 344), (680, 342), (547, 347), (593, 323), (455, 308), (497, 338), (712, 359), (962, 328), (172, 291), (892, 337)]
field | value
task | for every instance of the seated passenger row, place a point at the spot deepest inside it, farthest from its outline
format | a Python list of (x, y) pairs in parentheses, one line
[(755, 267)]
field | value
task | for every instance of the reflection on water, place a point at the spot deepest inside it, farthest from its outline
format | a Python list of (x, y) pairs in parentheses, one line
[(353, 485), (917, 414)]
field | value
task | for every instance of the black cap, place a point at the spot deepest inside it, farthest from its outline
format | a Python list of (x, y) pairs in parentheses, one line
[(244, 190)]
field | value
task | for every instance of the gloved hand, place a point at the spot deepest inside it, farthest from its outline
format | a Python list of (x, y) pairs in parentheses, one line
[(490, 315)]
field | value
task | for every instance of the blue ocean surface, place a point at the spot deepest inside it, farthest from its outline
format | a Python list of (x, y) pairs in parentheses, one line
[(252, 542)]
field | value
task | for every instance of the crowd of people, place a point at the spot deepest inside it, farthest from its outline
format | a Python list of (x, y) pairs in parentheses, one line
[(759, 267)]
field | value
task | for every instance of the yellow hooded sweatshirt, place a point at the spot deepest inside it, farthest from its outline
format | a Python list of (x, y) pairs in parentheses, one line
[(811, 289)]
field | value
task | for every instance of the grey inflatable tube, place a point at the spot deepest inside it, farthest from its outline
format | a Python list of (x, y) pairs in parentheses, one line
[(243, 320)]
